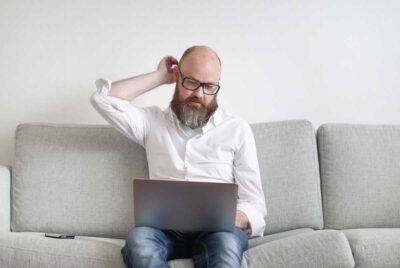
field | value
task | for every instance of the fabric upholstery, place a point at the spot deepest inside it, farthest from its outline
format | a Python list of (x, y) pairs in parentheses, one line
[(322, 248), (268, 238), (33, 249), (5, 183), (287, 156), (360, 175), (36, 251), (188, 263), (78, 179), (90, 168), (375, 247), (74, 179)]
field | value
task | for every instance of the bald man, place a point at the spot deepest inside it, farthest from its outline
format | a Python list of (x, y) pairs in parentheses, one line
[(193, 140)]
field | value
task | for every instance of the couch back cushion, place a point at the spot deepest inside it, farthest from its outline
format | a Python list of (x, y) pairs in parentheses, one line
[(287, 155), (78, 178), (74, 179), (360, 174)]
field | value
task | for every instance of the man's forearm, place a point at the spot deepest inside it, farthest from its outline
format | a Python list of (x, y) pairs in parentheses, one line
[(130, 88)]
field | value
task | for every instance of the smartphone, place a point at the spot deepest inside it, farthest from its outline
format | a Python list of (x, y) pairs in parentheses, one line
[(59, 236)]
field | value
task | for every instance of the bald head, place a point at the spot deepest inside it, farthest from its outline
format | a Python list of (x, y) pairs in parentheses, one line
[(202, 50), (203, 61)]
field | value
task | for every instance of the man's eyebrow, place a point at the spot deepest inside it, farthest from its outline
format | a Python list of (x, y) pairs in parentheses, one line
[(214, 83), (191, 77)]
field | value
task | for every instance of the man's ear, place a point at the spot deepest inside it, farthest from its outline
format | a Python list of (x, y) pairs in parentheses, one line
[(175, 73)]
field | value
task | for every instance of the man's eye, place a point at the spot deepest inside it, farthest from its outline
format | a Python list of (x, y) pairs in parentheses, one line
[(192, 82)]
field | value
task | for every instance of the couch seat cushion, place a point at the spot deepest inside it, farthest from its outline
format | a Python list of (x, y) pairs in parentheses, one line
[(268, 238), (188, 263), (28, 249), (375, 247), (322, 248), (33, 249)]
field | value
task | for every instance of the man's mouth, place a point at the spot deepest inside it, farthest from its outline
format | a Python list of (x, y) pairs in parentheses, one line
[(195, 104), (194, 101)]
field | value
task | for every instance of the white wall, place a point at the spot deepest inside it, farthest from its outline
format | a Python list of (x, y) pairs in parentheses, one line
[(324, 61)]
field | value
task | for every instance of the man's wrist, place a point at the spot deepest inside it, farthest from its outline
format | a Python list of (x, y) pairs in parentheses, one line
[(159, 78), (242, 220)]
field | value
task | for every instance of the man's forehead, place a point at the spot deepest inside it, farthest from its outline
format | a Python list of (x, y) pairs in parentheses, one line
[(201, 68), (201, 55)]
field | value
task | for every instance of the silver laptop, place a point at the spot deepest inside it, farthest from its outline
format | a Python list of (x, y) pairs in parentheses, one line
[(185, 206)]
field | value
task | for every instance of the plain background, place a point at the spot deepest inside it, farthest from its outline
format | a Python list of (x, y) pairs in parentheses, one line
[(323, 61)]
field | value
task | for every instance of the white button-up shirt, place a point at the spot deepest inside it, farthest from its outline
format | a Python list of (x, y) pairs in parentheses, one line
[(221, 151)]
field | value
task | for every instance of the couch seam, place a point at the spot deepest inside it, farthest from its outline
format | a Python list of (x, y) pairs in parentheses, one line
[(317, 175), (381, 243), (54, 125), (321, 168)]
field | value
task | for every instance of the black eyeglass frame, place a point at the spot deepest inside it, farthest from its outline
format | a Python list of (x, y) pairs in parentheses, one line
[(201, 84)]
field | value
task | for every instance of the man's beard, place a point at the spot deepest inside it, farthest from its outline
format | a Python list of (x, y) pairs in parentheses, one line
[(192, 116)]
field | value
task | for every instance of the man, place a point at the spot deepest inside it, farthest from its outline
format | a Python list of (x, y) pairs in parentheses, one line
[(194, 140)]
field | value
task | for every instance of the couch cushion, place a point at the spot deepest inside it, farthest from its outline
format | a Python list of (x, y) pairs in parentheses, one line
[(287, 155), (5, 184), (74, 179), (256, 241), (360, 175), (188, 263), (323, 248), (375, 247), (34, 250)]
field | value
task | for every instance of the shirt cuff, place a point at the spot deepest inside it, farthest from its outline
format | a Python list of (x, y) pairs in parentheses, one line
[(256, 220), (103, 89)]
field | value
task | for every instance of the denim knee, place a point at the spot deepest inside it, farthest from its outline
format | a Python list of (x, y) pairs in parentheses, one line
[(145, 247), (227, 241), (222, 249)]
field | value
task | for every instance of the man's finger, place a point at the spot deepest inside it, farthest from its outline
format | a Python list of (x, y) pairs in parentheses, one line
[(172, 60)]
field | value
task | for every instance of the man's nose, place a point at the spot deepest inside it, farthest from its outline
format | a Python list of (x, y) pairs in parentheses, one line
[(199, 92)]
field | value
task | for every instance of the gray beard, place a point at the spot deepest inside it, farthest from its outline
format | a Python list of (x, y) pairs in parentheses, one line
[(193, 117)]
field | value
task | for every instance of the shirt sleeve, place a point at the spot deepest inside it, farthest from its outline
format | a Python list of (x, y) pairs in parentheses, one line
[(251, 198), (131, 121)]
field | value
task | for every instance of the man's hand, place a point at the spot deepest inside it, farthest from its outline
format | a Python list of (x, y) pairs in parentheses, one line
[(166, 69), (241, 220)]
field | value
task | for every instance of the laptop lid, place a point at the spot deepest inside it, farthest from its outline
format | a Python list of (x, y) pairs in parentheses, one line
[(185, 206)]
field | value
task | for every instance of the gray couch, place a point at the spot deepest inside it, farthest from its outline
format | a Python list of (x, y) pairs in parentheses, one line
[(332, 205)]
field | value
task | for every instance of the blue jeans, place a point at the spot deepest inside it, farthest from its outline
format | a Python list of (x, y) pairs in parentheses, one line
[(151, 247)]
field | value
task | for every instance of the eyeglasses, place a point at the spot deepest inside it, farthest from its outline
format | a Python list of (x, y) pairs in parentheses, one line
[(193, 84)]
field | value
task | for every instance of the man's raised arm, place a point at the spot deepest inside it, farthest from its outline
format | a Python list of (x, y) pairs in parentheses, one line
[(111, 100), (130, 88)]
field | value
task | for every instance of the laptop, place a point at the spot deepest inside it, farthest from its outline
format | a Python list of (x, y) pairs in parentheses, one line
[(185, 206)]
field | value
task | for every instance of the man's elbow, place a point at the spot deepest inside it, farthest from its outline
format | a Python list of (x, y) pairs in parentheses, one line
[(95, 100)]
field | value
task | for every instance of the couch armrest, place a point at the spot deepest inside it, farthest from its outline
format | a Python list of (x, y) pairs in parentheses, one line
[(5, 202)]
